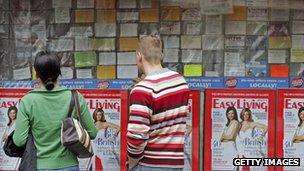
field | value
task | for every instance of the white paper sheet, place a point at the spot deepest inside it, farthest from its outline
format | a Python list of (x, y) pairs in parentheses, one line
[(213, 42), (170, 28), (22, 73), (61, 3), (105, 29), (277, 56), (62, 15), (171, 41), (191, 56), (235, 42), (61, 45), (85, 3), (127, 16), (82, 43), (191, 42), (81, 31), (297, 41), (127, 4), (257, 14), (279, 15), (298, 27), (107, 58), (84, 73), (66, 73), (128, 30), (171, 55), (126, 58), (127, 71), (235, 27)]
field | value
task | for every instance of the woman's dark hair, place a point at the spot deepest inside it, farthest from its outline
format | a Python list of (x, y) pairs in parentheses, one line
[(103, 118), (47, 68), (235, 114), (8, 111), (243, 113), (300, 120)]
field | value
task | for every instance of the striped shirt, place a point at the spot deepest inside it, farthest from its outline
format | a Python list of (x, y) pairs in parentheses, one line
[(157, 120)]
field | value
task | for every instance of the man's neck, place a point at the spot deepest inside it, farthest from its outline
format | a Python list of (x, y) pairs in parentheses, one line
[(151, 68)]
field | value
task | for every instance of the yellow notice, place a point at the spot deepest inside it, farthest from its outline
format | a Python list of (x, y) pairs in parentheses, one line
[(106, 16), (297, 55), (84, 16), (239, 13), (280, 42), (106, 72), (193, 70), (170, 13), (106, 44), (128, 44), (149, 15), (105, 4)]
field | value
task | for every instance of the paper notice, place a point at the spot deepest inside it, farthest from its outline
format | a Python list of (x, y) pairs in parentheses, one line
[(105, 29), (126, 58), (106, 72), (191, 15), (84, 16), (191, 56), (127, 71), (279, 15), (279, 42), (277, 56), (193, 70), (60, 3), (127, 16), (239, 13), (191, 42), (105, 44), (171, 42), (297, 41), (212, 42), (61, 45), (105, 4), (170, 14), (81, 31), (256, 28), (85, 3), (235, 27), (128, 30), (84, 73), (297, 55), (149, 15), (106, 16), (298, 27), (66, 73), (192, 28), (235, 42), (82, 43), (257, 14), (257, 3), (128, 44), (85, 59), (107, 58), (234, 70), (127, 4), (171, 55), (22, 73)]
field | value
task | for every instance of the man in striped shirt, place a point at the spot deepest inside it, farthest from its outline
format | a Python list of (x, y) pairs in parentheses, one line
[(158, 111)]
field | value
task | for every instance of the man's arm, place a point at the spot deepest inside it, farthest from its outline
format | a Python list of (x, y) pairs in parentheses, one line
[(138, 125)]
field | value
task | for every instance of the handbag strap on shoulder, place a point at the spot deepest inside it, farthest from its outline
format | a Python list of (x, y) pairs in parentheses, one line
[(72, 104), (77, 105)]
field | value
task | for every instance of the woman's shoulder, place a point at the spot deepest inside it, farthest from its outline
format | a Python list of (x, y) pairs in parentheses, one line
[(234, 122)]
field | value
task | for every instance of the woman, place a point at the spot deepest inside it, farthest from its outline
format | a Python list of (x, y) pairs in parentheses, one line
[(250, 131), (229, 135), (298, 138), (10, 127), (42, 110), (106, 142)]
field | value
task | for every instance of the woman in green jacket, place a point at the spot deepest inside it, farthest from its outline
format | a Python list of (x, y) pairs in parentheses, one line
[(42, 110)]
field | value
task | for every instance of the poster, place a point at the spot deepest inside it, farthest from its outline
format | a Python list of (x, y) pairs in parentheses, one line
[(110, 144), (8, 98), (290, 126), (224, 112)]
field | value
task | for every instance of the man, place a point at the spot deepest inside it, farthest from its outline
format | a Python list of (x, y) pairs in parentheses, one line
[(158, 110)]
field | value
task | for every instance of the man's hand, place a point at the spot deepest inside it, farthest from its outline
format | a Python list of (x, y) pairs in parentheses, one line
[(132, 162)]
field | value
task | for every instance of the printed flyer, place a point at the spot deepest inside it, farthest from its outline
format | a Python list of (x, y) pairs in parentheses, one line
[(109, 112), (239, 123), (9, 99), (290, 126)]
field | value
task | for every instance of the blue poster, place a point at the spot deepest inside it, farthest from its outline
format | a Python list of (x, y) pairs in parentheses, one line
[(201, 83), (250, 82)]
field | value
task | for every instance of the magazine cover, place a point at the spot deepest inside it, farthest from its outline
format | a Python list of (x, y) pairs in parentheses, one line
[(290, 126), (239, 123), (9, 101), (192, 134), (109, 112)]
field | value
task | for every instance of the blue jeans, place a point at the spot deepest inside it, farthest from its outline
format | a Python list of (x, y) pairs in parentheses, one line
[(147, 168), (72, 168)]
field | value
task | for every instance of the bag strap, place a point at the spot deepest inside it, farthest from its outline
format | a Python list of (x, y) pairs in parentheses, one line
[(77, 106), (72, 104)]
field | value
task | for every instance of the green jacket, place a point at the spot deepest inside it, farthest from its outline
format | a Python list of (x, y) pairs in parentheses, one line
[(43, 111)]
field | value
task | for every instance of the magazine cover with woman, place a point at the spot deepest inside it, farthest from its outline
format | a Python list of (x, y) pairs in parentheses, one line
[(238, 124), (290, 126)]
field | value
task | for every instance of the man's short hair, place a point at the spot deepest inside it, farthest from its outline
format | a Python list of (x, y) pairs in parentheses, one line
[(151, 48)]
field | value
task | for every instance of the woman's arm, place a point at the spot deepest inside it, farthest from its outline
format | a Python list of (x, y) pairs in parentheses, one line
[(232, 135), (22, 125), (114, 126), (4, 136)]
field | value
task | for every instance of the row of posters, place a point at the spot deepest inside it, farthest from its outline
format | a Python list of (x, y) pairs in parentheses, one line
[(110, 144), (242, 123)]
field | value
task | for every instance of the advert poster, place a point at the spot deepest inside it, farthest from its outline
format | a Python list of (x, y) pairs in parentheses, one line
[(239, 123), (290, 126), (8, 99), (191, 146), (109, 110)]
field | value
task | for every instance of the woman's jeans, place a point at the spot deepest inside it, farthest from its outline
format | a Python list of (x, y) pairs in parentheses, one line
[(72, 168)]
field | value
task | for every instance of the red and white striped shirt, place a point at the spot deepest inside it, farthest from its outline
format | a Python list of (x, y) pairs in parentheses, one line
[(157, 120)]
